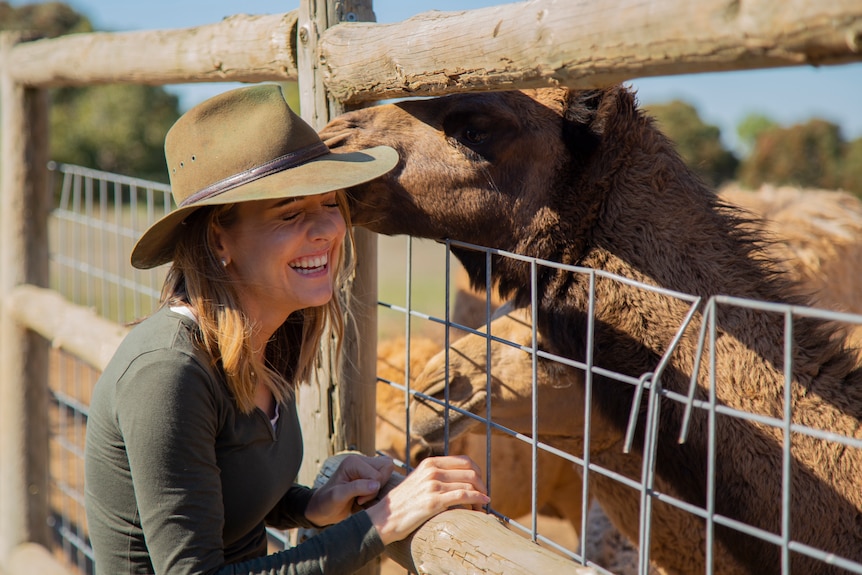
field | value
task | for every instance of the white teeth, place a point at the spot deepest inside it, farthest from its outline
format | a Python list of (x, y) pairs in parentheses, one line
[(308, 265)]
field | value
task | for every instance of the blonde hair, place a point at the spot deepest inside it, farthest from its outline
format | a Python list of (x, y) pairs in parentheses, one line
[(197, 279)]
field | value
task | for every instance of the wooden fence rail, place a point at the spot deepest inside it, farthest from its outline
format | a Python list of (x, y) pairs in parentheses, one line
[(537, 43), (583, 44), (240, 48)]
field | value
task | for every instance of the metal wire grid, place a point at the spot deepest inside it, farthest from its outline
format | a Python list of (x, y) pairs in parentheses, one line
[(99, 217), (70, 384), (648, 383)]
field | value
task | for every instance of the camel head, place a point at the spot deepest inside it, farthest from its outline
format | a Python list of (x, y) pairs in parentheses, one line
[(508, 384), (486, 168)]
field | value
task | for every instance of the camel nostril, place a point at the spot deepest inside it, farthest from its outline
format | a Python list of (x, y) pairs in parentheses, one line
[(460, 388)]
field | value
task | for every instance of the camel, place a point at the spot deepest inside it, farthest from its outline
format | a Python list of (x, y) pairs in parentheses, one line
[(511, 458), (559, 486), (585, 179), (818, 237), (470, 309)]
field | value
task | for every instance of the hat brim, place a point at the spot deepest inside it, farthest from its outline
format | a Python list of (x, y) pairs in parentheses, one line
[(333, 171)]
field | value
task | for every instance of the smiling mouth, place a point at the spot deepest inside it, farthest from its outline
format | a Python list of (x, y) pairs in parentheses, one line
[(310, 265)]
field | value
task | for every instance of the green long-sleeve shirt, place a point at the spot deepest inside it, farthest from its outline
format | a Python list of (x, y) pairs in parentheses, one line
[(179, 481)]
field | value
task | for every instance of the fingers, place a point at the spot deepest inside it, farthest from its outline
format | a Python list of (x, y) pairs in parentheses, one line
[(452, 470), (362, 467), (451, 462), (437, 484), (362, 490), (465, 497), (354, 483), (364, 476)]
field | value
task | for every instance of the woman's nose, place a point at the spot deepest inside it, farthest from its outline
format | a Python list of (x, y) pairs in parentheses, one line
[(326, 224)]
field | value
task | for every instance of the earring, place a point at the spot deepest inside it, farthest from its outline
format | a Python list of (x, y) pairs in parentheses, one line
[(223, 263)]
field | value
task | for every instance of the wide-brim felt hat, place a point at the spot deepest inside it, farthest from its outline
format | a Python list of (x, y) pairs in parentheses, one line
[(247, 144)]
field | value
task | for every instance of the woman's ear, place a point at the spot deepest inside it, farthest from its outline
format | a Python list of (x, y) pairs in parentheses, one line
[(219, 244)]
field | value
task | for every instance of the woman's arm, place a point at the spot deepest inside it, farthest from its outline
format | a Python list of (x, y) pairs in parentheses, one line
[(167, 411), (169, 416)]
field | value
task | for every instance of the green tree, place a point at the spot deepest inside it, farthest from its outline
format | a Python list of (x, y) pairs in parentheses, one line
[(49, 19), (750, 128), (698, 143), (851, 167), (805, 155), (115, 128)]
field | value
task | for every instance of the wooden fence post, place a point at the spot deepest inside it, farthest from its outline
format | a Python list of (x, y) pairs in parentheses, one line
[(24, 206), (338, 415)]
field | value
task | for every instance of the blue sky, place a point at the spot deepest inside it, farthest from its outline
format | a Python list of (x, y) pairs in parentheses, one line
[(787, 95)]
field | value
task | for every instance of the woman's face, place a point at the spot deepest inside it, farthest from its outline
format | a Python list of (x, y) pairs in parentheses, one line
[(282, 253)]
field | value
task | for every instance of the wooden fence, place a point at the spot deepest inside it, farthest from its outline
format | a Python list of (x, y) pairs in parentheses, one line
[(338, 65)]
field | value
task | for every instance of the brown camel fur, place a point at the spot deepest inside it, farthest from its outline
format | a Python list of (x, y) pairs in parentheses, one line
[(583, 178), (811, 242), (470, 307)]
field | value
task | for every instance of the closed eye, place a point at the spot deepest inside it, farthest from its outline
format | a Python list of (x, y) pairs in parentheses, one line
[(292, 208), (474, 136)]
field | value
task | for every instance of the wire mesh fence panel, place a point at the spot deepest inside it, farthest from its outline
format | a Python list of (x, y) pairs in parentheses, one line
[(96, 222), (519, 409), (70, 384)]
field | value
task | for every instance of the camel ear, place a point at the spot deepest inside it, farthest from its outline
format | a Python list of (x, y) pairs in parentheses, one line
[(581, 133), (582, 105)]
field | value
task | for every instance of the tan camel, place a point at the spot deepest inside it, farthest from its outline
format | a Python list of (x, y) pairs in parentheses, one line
[(559, 489), (583, 178), (511, 458), (818, 237), (561, 412)]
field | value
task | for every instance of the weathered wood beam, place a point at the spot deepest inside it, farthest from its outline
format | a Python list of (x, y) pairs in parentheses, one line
[(28, 558), (240, 48), (583, 44), (339, 398), (24, 205), (78, 330), (535, 43)]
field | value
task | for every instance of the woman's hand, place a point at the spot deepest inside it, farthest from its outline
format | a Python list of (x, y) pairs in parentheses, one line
[(356, 482), (437, 484)]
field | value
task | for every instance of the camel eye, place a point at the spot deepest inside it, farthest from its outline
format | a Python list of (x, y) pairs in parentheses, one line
[(475, 136)]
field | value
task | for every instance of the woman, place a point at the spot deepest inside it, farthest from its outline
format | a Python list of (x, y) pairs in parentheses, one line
[(193, 441)]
